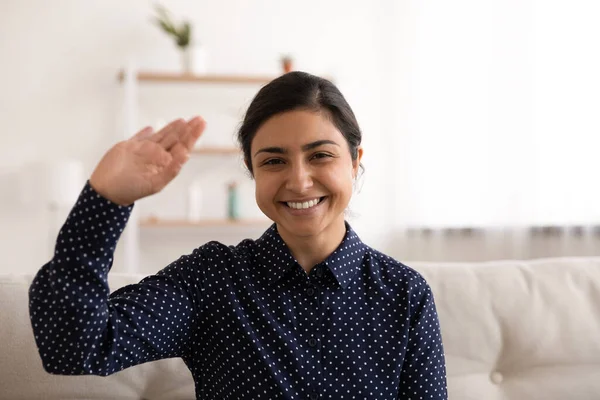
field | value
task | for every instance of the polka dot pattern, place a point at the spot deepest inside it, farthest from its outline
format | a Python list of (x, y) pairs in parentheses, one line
[(247, 320)]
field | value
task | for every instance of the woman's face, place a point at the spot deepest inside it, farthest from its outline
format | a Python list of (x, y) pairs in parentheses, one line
[(303, 172)]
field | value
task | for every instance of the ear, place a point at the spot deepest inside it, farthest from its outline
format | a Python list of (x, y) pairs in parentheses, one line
[(356, 163)]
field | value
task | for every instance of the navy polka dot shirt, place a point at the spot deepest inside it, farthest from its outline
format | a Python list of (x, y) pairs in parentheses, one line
[(247, 320)]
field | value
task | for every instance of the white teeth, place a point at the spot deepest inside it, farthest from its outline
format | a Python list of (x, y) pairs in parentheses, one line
[(306, 204)]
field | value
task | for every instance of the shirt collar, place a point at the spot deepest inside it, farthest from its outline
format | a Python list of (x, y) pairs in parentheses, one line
[(347, 260), (273, 255), (276, 260)]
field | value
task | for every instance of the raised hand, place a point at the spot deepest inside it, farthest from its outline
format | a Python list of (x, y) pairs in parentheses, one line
[(144, 164)]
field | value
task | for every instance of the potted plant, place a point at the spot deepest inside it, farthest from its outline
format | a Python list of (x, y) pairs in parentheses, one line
[(193, 55)]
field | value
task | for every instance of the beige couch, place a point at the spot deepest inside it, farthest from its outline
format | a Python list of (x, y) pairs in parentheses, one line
[(511, 330)]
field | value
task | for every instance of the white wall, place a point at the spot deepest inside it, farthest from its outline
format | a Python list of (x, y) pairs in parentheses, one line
[(59, 96)]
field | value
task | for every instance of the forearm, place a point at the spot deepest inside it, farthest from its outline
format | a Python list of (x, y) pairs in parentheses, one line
[(68, 296)]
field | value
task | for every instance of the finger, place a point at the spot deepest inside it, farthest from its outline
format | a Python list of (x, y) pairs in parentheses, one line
[(179, 156), (143, 134), (166, 130), (196, 127), (180, 153), (174, 137)]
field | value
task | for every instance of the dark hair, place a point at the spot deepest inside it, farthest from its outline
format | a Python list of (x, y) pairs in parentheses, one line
[(299, 91)]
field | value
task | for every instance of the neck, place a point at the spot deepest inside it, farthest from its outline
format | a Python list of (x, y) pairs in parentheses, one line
[(311, 250)]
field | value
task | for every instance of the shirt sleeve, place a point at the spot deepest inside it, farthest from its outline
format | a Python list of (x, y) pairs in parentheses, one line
[(423, 373), (82, 329)]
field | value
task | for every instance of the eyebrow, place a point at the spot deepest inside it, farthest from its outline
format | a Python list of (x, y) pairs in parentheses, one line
[(306, 147)]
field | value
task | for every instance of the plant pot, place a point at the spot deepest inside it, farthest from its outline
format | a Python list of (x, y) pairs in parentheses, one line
[(194, 60), (288, 66)]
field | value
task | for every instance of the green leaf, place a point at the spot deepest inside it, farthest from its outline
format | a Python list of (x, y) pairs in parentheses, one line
[(167, 27), (182, 34)]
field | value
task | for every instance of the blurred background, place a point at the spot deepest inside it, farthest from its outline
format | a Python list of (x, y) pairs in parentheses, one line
[(480, 119)]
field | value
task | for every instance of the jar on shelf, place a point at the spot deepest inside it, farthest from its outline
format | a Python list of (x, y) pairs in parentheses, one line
[(233, 209)]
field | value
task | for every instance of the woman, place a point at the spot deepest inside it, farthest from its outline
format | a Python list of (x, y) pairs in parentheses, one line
[(306, 311)]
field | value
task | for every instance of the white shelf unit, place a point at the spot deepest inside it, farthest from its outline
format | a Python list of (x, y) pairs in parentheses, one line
[(131, 78)]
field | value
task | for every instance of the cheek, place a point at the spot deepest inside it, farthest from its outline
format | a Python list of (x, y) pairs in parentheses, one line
[(265, 189), (340, 181)]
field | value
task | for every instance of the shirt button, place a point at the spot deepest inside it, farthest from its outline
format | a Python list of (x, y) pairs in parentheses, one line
[(310, 291), (314, 396), (312, 342), (319, 272)]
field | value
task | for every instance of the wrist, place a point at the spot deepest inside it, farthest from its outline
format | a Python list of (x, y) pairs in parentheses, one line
[(98, 188)]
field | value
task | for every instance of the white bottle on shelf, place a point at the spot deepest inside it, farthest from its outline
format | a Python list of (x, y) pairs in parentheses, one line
[(194, 201)]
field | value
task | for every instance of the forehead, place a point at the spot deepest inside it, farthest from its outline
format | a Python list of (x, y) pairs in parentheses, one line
[(293, 129)]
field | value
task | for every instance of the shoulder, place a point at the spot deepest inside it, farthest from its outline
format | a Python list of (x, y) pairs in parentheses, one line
[(220, 257), (407, 285), (217, 253), (213, 263), (396, 272), (214, 248)]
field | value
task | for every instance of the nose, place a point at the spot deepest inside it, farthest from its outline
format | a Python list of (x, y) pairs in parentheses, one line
[(299, 179)]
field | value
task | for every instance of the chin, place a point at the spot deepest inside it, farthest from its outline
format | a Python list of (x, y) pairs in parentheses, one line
[(302, 230)]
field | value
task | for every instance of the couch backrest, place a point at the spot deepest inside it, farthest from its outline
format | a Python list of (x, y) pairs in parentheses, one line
[(23, 377), (511, 330), (519, 330)]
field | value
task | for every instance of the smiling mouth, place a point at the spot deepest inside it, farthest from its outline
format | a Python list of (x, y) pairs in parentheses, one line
[(304, 205)]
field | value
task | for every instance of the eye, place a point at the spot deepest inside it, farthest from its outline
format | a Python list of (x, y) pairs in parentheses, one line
[(319, 156), (273, 161)]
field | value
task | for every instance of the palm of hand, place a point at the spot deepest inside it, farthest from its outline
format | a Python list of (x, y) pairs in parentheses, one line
[(146, 163)]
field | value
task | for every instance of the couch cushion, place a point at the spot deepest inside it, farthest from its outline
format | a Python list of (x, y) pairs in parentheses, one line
[(519, 330), (23, 376)]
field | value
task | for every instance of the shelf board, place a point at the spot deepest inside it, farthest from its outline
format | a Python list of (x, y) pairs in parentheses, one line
[(216, 151), (208, 223), (169, 77)]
